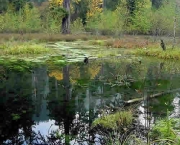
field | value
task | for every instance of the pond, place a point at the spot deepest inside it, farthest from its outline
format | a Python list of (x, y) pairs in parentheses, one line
[(56, 104)]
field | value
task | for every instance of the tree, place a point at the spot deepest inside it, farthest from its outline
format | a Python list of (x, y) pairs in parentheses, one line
[(111, 4), (136, 14), (177, 4), (15, 4), (66, 19), (157, 3), (3, 5), (18, 4), (140, 21), (131, 5), (95, 6), (80, 9), (162, 20)]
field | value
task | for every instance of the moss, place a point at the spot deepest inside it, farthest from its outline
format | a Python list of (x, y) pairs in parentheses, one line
[(119, 120)]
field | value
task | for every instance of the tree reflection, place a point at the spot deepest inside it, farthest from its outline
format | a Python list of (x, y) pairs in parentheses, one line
[(75, 95), (62, 107), (71, 109), (16, 109)]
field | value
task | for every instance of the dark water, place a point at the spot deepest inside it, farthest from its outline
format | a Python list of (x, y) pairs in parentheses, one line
[(50, 101)]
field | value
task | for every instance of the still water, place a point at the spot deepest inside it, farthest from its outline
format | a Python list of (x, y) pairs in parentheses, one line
[(56, 104)]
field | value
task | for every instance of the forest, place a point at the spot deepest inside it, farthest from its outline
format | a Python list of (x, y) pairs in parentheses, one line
[(106, 17)]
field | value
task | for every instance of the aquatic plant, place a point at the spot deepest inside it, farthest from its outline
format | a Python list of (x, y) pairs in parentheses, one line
[(15, 116), (119, 120)]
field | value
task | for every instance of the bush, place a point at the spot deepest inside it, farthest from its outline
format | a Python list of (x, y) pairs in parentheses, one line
[(25, 20), (77, 26), (108, 22)]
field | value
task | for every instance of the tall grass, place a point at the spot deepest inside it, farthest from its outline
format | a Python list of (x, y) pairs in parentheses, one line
[(159, 53), (46, 37), (15, 48), (127, 41)]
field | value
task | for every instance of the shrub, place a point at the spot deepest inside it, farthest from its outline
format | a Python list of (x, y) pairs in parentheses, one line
[(25, 20), (77, 26)]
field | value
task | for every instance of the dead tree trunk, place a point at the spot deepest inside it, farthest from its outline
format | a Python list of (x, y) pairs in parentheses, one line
[(163, 46), (137, 100), (66, 19), (174, 37)]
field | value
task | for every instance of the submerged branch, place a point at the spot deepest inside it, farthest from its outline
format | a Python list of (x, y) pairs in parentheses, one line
[(151, 96)]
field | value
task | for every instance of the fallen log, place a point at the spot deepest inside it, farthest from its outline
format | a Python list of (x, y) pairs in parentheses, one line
[(150, 97)]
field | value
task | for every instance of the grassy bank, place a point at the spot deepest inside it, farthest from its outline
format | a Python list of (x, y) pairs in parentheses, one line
[(142, 46), (159, 53), (22, 48), (32, 44)]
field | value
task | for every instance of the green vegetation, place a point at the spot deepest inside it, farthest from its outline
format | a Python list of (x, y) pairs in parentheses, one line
[(15, 117), (115, 18), (25, 48), (17, 65), (168, 54), (119, 120), (165, 131)]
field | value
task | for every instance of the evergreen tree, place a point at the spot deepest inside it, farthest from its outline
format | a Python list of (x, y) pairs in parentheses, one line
[(157, 3), (3, 5)]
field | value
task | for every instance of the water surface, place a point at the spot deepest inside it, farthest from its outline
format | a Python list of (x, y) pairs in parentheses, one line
[(63, 100)]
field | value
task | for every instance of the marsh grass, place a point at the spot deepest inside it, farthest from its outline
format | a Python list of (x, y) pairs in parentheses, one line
[(47, 37), (23, 48), (128, 42), (159, 53)]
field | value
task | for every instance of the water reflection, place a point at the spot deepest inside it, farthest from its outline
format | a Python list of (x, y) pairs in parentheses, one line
[(57, 104)]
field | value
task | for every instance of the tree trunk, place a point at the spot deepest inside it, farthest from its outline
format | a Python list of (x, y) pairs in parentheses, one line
[(66, 19), (66, 82), (174, 35)]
